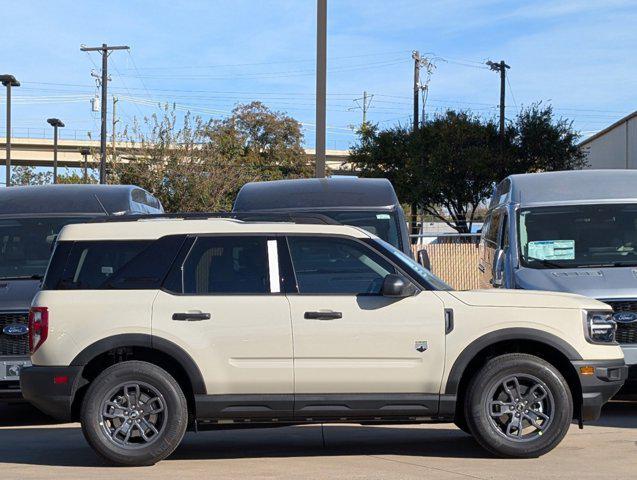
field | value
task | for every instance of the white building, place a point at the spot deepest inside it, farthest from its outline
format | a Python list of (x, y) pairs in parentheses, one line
[(614, 146)]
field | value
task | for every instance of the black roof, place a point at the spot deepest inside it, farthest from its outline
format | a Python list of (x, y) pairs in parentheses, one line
[(316, 194), (74, 199)]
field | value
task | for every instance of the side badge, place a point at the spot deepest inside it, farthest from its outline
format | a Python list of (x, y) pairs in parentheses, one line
[(421, 346)]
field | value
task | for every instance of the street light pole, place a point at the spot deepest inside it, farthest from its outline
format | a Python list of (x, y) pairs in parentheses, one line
[(9, 81), (85, 152), (321, 85), (55, 123)]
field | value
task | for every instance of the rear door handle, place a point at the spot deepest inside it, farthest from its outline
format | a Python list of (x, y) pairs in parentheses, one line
[(324, 315), (191, 316)]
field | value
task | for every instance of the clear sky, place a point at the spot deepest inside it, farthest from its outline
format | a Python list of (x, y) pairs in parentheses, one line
[(206, 56)]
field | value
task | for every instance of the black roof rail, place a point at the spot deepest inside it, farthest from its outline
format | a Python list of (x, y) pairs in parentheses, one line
[(289, 217)]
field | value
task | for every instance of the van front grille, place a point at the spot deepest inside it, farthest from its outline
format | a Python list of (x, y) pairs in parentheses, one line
[(13, 345), (626, 332)]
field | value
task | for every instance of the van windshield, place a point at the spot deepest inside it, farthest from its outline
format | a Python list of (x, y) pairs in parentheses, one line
[(25, 245), (578, 236), (382, 224)]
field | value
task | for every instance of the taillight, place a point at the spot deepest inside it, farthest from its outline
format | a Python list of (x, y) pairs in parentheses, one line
[(38, 327)]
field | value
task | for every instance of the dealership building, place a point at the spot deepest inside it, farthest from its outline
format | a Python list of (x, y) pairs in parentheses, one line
[(614, 146)]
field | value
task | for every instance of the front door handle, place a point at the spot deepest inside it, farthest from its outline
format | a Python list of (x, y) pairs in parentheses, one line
[(191, 316), (323, 315)]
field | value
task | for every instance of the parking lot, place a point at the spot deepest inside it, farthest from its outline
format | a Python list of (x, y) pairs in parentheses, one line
[(31, 446)]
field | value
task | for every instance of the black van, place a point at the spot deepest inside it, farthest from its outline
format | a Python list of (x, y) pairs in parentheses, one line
[(30, 219), (369, 203)]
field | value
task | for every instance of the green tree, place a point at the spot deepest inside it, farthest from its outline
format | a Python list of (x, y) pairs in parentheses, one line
[(449, 166), (201, 165), (23, 175)]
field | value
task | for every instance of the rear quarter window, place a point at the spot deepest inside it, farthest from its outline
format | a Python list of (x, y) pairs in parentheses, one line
[(98, 265)]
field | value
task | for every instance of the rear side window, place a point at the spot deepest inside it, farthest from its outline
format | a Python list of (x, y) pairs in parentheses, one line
[(331, 265), (97, 265), (227, 265)]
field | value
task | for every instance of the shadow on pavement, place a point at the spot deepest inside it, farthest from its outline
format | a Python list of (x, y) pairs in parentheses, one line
[(27, 437), (618, 414)]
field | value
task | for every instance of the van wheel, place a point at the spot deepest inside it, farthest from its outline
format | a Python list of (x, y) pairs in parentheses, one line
[(134, 413), (518, 405)]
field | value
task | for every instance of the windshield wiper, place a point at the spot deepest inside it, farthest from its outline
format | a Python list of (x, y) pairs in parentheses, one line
[(546, 263), (23, 277)]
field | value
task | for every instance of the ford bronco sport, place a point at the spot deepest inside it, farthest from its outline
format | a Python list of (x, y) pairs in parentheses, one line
[(145, 329)]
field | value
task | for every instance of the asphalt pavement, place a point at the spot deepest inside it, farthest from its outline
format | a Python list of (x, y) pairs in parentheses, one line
[(33, 446)]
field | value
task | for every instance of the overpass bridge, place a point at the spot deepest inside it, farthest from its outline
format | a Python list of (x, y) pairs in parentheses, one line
[(38, 152)]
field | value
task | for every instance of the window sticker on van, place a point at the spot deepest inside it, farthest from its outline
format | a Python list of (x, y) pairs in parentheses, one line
[(552, 249), (383, 216)]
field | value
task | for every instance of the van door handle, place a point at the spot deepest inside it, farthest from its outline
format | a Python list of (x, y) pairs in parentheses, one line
[(191, 316), (323, 315)]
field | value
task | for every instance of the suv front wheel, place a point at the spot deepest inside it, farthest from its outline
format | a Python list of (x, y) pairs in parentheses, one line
[(134, 414), (518, 405)]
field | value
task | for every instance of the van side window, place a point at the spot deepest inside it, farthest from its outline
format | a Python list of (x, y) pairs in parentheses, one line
[(227, 265), (491, 235), (332, 265)]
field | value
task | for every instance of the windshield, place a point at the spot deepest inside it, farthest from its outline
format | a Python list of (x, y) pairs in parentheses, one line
[(578, 236), (25, 244), (382, 224), (416, 268)]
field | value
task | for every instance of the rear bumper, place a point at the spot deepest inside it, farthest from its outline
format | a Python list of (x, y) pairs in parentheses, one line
[(46, 389), (599, 388)]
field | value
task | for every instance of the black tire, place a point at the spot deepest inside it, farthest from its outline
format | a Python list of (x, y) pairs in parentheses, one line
[(462, 424), (157, 392), (490, 391)]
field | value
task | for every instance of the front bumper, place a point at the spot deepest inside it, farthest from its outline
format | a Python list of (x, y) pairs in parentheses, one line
[(599, 388), (51, 389)]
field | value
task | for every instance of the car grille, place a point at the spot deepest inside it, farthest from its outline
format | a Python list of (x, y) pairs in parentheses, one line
[(10, 345), (626, 332)]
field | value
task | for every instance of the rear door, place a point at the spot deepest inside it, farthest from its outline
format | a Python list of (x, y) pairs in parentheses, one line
[(357, 353), (222, 303)]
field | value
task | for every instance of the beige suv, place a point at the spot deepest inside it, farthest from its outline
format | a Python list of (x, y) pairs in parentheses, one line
[(146, 328)]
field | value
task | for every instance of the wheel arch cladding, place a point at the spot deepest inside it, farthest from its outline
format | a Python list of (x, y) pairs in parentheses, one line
[(156, 350), (514, 340)]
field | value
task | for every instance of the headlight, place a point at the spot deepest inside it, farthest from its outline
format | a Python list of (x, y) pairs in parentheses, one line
[(599, 327)]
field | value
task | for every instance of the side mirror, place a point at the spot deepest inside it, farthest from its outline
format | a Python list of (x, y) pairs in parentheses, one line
[(396, 286), (498, 269), (423, 259)]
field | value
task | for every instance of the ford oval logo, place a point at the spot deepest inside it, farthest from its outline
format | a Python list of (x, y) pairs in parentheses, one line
[(15, 329), (625, 317)]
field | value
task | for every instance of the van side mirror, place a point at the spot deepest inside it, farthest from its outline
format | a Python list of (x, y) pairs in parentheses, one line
[(423, 259), (498, 269), (397, 287)]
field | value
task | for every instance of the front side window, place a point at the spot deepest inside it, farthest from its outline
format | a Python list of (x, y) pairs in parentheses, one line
[(227, 265), (331, 265), (578, 236)]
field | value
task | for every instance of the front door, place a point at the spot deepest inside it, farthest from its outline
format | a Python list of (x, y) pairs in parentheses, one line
[(223, 305), (357, 353)]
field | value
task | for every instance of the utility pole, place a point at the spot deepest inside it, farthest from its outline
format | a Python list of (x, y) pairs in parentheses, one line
[(363, 104), (417, 63), (105, 52), (500, 67), (55, 123), (115, 120), (8, 81), (321, 85)]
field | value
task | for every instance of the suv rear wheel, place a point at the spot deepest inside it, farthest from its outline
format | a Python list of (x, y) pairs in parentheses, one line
[(518, 405), (134, 413)]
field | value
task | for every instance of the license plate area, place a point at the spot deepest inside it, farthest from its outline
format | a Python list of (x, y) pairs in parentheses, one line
[(10, 369)]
